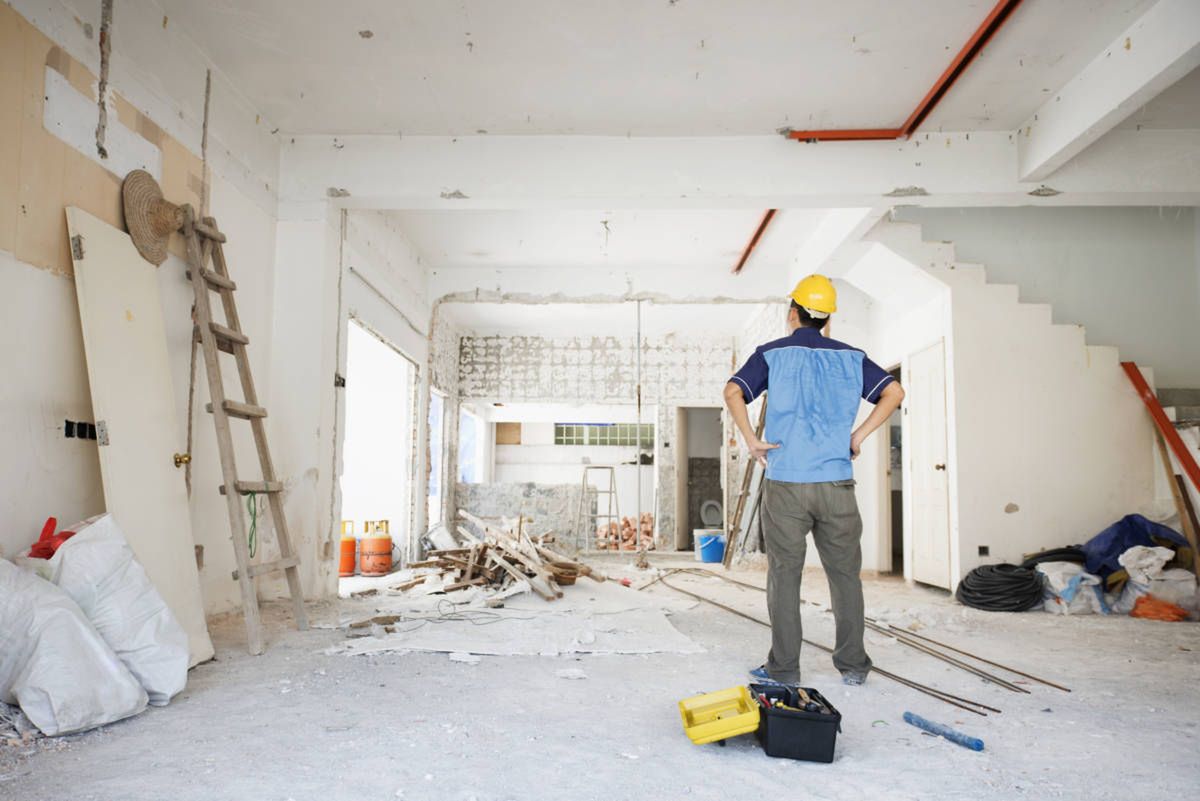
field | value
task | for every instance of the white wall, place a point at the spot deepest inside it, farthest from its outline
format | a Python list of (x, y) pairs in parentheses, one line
[(1131, 276), (1048, 444), (538, 459), (163, 74), (704, 433)]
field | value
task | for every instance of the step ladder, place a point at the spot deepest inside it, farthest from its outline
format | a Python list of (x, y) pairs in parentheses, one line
[(204, 245), (735, 522), (587, 521)]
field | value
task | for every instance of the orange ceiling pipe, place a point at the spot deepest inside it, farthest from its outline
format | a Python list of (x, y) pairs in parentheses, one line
[(762, 226), (999, 14)]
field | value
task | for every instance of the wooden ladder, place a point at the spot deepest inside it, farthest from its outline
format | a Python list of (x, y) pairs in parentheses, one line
[(204, 241)]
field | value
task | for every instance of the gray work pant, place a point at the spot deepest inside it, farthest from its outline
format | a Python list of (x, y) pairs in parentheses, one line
[(830, 511)]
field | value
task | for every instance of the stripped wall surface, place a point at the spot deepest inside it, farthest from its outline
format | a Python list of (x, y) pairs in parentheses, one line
[(591, 369), (676, 371)]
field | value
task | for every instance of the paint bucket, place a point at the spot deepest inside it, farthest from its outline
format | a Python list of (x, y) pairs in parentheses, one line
[(712, 547), (375, 557), (349, 556), (697, 533)]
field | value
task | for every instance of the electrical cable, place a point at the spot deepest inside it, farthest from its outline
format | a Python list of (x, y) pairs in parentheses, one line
[(1001, 588), (252, 536), (1072, 553)]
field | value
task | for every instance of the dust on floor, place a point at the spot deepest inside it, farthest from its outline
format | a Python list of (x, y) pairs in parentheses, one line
[(302, 724)]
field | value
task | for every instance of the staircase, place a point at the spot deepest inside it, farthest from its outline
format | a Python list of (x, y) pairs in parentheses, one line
[(1050, 444), (1182, 406)]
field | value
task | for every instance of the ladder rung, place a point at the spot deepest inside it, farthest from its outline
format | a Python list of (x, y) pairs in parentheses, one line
[(242, 410), (208, 231), (214, 279), (228, 334), (223, 345), (271, 567), (246, 487)]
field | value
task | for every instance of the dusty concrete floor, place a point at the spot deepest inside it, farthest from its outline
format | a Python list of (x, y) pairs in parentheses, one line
[(297, 724)]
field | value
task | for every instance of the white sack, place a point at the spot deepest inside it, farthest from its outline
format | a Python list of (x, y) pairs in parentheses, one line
[(53, 664), (1177, 586), (1069, 590), (97, 568), (1143, 562)]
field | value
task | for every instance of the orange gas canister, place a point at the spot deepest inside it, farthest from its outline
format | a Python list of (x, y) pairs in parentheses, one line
[(375, 550), (349, 550)]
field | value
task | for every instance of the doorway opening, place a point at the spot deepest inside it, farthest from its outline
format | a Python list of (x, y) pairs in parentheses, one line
[(377, 451), (895, 482), (699, 490)]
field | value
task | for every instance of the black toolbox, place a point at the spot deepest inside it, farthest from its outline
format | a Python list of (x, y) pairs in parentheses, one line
[(796, 733)]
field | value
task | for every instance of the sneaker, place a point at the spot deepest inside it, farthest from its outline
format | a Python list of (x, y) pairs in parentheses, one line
[(853, 678), (760, 676)]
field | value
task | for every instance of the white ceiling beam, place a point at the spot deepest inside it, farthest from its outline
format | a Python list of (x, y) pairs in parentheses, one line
[(1153, 53), (758, 172)]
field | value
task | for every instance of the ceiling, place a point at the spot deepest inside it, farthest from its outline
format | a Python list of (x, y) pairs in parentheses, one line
[(698, 239), (1176, 107), (638, 67), (709, 320)]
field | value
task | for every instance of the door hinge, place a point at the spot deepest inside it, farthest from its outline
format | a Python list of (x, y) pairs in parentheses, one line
[(77, 247), (101, 432)]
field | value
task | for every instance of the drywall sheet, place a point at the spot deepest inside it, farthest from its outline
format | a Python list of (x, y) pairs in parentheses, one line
[(125, 343)]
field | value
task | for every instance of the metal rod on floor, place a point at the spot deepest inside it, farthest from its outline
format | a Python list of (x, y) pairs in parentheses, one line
[(903, 635), (988, 661), (954, 700)]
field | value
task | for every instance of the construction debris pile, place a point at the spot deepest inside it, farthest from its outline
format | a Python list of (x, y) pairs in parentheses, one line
[(626, 537), (498, 557)]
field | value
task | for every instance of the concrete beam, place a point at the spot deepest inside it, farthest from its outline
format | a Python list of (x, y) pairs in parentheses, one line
[(587, 172), (1153, 53)]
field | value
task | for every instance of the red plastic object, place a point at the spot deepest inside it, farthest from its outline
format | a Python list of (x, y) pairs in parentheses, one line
[(1151, 608), (49, 542), (1165, 426)]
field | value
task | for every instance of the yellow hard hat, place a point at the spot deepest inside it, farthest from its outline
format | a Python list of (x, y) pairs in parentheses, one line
[(816, 292)]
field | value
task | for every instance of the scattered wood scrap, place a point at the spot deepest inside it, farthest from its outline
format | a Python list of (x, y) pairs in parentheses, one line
[(498, 557)]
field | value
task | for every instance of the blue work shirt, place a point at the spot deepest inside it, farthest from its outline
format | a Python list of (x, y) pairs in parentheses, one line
[(815, 384)]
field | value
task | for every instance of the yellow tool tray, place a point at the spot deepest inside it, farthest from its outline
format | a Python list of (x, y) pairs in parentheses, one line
[(718, 716)]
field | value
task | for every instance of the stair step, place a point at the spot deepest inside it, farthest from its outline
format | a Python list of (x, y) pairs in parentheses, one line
[(1102, 355), (976, 272), (228, 334), (1005, 293), (1036, 313), (1179, 397), (243, 410), (1185, 414), (261, 487), (214, 279)]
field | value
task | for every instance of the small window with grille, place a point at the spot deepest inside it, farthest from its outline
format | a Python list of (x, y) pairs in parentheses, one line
[(622, 434)]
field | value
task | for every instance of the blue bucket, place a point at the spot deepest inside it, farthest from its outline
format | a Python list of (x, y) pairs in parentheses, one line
[(712, 547)]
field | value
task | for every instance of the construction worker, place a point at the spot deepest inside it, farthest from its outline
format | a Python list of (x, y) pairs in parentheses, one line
[(815, 384)]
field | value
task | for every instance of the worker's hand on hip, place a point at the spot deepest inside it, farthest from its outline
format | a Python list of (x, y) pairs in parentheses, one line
[(856, 442), (758, 450)]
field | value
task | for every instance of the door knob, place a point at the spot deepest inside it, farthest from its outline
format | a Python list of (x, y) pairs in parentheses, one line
[(939, 467), (182, 458)]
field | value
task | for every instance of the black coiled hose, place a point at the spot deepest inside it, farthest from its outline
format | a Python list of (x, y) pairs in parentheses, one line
[(1001, 588)]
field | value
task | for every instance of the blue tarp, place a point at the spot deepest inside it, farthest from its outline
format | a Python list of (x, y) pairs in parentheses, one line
[(1103, 549)]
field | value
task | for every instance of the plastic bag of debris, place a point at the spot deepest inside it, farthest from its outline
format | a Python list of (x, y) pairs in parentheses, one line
[(1069, 589), (53, 664), (99, 571)]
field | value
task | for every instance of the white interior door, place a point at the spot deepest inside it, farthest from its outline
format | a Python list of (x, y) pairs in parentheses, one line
[(125, 343), (926, 400)]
